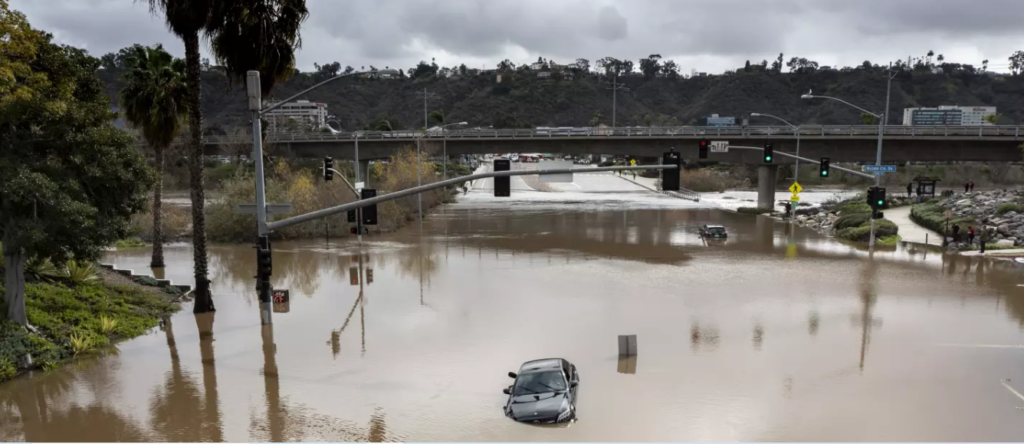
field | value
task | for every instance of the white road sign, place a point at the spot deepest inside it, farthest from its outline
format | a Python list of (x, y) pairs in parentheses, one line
[(719, 146)]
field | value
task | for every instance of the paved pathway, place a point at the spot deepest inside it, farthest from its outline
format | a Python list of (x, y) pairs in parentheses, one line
[(910, 231)]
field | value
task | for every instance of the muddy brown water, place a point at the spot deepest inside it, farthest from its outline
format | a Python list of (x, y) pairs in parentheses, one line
[(771, 335)]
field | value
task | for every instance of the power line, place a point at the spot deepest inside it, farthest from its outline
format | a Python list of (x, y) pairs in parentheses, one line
[(615, 87)]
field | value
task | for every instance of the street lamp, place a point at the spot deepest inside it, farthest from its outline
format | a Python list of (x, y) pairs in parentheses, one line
[(878, 154), (255, 102)]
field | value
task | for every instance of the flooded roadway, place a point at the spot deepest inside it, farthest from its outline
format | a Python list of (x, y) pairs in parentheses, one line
[(772, 335)]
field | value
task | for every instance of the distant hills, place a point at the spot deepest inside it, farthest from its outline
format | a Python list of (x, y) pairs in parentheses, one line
[(523, 99)]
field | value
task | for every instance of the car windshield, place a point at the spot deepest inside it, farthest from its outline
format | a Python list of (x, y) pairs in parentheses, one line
[(716, 230), (539, 382)]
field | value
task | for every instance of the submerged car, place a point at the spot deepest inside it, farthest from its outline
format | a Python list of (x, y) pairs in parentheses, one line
[(544, 392), (714, 232)]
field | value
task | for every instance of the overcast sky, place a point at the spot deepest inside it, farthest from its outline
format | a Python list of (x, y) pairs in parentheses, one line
[(706, 35)]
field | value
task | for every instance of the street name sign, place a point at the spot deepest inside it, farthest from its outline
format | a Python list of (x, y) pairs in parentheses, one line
[(878, 168), (719, 146)]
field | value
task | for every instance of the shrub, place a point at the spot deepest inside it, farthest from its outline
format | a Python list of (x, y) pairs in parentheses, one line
[(932, 217), (177, 221), (883, 228), (853, 207), (852, 220), (7, 370), (283, 184), (703, 181), (78, 273), (145, 280), (16, 342), (1008, 207)]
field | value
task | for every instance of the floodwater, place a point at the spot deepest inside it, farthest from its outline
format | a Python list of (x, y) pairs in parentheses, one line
[(773, 335)]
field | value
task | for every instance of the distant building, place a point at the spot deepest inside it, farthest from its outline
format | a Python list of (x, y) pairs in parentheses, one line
[(303, 114), (543, 74), (716, 120), (948, 116)]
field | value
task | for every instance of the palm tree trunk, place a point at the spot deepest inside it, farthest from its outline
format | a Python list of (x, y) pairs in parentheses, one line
[(158, 232), (203, 298)]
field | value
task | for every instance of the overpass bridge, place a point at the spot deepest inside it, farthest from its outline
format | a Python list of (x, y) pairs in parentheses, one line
[(841, 143)]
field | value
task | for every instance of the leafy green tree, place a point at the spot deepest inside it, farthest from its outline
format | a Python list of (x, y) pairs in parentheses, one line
[(867, 119), (155, 100), (596, 119), (1016, 62), (186, 19), (650, 66), (71, 181), (436, 116)]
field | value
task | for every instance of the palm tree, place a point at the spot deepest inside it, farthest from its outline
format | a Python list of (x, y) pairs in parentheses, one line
[(259, 35), (186, 19), (154, 99)]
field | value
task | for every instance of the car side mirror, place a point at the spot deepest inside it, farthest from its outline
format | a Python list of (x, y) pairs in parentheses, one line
[(506, 391), (512, 375), (574, 384)]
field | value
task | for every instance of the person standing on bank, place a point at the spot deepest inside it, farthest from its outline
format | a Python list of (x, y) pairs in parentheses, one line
[(970, 236), (956, 233), (967, 187), (983, 238), (910, 188)]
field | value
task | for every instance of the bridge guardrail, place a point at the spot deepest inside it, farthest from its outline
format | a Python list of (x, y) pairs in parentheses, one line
[(806, 131)]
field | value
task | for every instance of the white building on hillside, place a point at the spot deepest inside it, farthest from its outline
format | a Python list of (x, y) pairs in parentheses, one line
[(949, 115), (300, 115)]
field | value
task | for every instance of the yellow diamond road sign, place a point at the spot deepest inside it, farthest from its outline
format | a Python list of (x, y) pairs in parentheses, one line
[(632, 162), (795, 188)]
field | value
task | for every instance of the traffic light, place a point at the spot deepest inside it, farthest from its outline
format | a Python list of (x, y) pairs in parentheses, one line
[(353, 276), (876, 198), (264, 264), (351, 217), (502, 185), (702, 152), (823, 167), (369, 276), (328, 166), (670, 178), (769, 152), (369, 212)]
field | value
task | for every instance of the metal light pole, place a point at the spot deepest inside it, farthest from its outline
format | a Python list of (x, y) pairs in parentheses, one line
[(616, 86), (881, 131), (255, 99), (419, 179)]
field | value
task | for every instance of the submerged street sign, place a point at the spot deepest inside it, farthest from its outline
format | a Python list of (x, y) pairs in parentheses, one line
[(878, 168)]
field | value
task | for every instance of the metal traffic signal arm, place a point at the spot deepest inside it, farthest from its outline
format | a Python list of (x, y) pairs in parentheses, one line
[(833, 167), (276, 225)]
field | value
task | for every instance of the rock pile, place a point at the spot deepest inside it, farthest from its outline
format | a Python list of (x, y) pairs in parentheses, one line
[(1006, 229)]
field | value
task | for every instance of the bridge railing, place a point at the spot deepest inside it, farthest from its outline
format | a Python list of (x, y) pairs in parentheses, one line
[(806, 131)]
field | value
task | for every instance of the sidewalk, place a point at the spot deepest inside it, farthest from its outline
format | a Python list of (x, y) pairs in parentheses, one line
[(647, 182), (910, 231)]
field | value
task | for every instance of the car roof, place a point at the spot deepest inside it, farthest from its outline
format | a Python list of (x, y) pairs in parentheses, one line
[(714, 226), (539, 365)]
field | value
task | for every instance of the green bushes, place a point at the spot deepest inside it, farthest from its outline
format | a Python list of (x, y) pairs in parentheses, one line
[(852, 220), (1008, 207), (703, 181), (883, 229), (853, 207), (75, 320), (933, 217)]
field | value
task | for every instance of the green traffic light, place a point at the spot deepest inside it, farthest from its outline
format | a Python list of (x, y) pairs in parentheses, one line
[(824, 173), (881, 202), (768, 158)]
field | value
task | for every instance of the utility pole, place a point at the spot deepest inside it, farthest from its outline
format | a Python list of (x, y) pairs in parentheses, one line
[(615, 87), (419, 179)]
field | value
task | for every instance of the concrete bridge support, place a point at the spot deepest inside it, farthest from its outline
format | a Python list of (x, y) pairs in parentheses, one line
[(364, 172), (766, 186)]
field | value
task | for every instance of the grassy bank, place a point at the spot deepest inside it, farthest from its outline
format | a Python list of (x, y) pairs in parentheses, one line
[(75, 316)]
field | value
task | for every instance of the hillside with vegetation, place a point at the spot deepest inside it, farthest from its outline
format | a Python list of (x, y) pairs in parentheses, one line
[(545, 93)]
